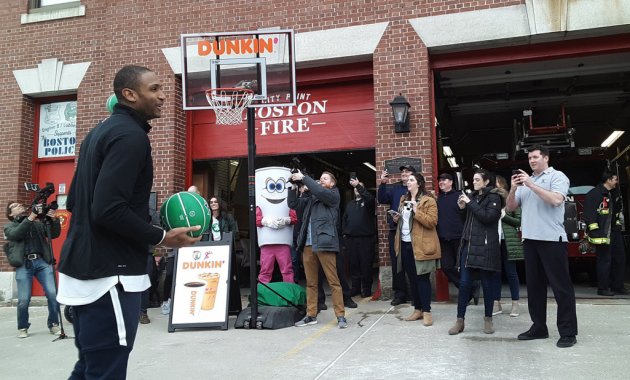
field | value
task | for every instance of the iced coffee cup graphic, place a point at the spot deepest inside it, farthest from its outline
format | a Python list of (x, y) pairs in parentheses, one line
[(195, 296), (210, 295)]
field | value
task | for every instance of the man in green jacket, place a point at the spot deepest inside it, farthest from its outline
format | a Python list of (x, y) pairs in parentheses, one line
[(29, 251)]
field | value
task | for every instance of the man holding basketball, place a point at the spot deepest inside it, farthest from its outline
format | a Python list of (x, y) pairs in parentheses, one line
[(103, 260)]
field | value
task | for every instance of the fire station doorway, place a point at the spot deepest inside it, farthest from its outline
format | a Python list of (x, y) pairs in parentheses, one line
[(489, 113)]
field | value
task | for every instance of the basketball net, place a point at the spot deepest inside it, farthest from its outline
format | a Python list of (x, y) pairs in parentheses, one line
[(229, 103)]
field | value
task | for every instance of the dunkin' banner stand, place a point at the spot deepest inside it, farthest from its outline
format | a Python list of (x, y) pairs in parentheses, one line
[(201, 285)]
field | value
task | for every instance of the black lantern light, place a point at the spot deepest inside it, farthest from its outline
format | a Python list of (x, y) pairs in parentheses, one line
[(400, 108)]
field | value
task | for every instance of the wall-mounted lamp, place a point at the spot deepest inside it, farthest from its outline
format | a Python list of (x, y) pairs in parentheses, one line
[(400, 108)]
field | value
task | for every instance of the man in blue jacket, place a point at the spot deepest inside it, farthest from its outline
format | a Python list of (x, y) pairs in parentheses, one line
[(391, 195), (103, 260)]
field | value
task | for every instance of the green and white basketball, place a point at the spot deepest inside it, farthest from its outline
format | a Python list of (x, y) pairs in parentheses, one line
[(185, 209), (111, 102)]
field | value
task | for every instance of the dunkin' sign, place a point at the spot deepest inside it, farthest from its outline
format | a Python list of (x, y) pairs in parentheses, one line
[(236, 47)]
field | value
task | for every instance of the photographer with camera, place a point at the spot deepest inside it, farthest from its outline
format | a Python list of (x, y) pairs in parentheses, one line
[(318, 240), (28, 250)]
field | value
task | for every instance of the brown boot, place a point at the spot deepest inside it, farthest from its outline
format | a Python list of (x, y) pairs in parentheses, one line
[(488, 327), (417, 314), (457, 328), (428, 319)]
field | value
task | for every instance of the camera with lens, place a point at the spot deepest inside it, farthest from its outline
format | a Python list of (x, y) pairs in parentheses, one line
[(41, 199), (408, 205), (297, 166)]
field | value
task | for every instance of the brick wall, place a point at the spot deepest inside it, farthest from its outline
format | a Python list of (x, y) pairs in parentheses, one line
[(114, 33)]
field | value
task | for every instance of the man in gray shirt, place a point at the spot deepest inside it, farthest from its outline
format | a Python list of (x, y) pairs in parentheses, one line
[(541, 197)]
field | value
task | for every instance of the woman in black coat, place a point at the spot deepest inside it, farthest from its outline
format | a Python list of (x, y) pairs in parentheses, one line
[(480, 248)]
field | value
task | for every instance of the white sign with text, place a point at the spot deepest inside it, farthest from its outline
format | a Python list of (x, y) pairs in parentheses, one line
[(57, 129)]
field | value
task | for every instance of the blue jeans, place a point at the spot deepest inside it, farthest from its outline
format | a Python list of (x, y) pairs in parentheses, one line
[(510, 273), (41, 270), (466, 286)]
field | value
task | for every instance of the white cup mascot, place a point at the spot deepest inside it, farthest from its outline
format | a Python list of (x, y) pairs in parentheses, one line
[(275, 222)]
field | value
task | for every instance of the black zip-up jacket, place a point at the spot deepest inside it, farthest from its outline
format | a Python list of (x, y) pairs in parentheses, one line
[(110, 227), (358, 218), (481, 230)]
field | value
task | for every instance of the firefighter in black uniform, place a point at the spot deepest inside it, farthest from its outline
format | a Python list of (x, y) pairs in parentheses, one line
[(602, 211)]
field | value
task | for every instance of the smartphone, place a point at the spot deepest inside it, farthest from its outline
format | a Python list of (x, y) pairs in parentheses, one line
[(353, 175), (392, 212), (516, 172)]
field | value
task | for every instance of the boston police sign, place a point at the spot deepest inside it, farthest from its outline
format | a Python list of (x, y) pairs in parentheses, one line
[(57, 129)]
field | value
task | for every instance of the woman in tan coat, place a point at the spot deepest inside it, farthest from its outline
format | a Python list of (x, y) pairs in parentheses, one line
[(417, 245)]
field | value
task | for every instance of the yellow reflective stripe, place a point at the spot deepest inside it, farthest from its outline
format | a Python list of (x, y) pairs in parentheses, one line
[(604, 211), (599, 240), (593, 226)]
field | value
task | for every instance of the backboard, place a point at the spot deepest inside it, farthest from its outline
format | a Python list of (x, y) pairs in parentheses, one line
[(262, 61)]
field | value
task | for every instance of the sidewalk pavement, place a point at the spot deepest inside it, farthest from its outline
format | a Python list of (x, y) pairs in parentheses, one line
[(378, 344)]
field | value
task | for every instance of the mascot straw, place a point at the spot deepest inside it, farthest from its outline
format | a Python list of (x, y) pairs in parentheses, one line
[(275, 222)]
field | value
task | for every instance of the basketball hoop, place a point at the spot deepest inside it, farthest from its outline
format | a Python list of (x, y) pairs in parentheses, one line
[(229, 103)]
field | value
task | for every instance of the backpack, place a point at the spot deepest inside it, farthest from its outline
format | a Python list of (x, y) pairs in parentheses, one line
[(15, 259)]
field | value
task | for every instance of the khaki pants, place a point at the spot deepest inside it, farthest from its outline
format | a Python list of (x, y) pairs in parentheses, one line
[(327, 260)]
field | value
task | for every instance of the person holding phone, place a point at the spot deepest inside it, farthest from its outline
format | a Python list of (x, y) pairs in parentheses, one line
[(541, 197), (358, 230), (417, 245), (391, 195), (480, 254)]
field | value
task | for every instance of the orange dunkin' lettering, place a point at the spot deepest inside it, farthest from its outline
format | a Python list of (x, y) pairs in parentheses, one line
[(243, 46)]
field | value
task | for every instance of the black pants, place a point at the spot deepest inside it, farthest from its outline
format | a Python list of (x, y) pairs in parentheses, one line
[(341, 274), (547, 261), (449, 260), (399, 286), (361, 252), (103, 338), (146, 295), (168, 279), (611, 263)]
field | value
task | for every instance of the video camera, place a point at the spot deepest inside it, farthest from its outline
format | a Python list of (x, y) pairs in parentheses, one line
[(41, 198)]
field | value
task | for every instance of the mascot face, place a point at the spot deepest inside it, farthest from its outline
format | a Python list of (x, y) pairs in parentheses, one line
[(275, 191), (271, 188)]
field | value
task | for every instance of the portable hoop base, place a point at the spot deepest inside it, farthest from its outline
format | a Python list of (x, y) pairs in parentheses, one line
[(229, 103)]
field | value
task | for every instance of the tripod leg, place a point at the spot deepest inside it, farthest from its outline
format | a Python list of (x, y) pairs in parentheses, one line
[(62, 332)]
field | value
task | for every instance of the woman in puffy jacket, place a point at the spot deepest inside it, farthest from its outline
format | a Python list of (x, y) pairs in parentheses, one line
[(480, 249), (417, 245)]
